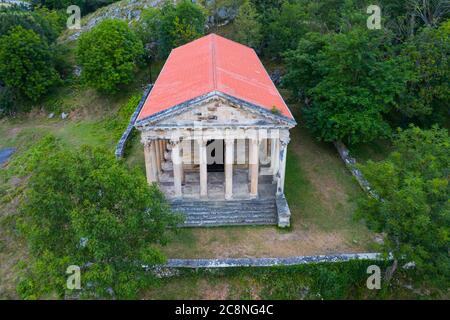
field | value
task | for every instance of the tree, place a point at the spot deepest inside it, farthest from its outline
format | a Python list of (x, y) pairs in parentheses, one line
[(413, 209), (45, 23), (26, 63), (85, 208), (172, 25), (302, 65), (108, 55), (359, 80), (247, 26), (284, 28), (426, 57)]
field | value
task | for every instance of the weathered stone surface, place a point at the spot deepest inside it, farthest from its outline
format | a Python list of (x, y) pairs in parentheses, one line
[(128, 10), (268, 262), (350, 163), (226, 212), (283, 212), (121, 145)]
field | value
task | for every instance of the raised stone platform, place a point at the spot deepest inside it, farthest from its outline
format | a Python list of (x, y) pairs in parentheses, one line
[(225, 213)]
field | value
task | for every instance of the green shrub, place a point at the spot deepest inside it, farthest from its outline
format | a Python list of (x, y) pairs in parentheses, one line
[(108, 55)]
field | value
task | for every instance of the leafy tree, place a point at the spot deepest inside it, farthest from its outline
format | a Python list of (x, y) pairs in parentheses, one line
[(247, 26), (7, 101), (85, 208), (45, 23), (108, 55), (26, 63), (284, 28), (413, 207), (302, 64), (426, 57), (356, 81), (172, 25)]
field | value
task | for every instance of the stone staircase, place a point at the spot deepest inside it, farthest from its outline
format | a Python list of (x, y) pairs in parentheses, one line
[(232, 212)]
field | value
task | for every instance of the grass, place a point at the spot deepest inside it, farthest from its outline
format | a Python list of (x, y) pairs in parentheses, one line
[(90, 114), (314, 281), (321, 194)]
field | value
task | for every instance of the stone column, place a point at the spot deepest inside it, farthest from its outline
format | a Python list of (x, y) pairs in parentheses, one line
[(254, 166), (149, 168), (274, 157), (282, 165), (158, 156), (229, 156), (177, 167), (263, 150), (249, 157), (162, 150), (203, 160)]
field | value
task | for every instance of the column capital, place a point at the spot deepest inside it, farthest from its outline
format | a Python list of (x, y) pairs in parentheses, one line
[(255, 141), (147, 142), (174, 142), (284, 142), (229, 141), (202, 142)]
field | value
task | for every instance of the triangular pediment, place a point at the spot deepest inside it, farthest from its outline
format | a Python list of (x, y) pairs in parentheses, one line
[(216, 109)]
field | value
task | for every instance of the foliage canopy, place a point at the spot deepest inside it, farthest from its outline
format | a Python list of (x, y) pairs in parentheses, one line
[(85, 208)]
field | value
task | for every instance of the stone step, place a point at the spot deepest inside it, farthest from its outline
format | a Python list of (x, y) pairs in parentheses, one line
[(221, 211), (228, 223), (233, 212), (167, 166)]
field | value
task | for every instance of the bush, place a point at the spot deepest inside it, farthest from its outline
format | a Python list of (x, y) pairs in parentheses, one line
[(108, 55)]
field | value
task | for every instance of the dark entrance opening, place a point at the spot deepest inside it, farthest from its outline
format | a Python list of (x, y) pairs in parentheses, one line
[(216, 155)]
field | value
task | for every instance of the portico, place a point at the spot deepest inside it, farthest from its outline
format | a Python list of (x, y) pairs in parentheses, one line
[(252, 161)]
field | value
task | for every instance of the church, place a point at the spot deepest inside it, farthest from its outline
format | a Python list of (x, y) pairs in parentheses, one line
[(215, 132)]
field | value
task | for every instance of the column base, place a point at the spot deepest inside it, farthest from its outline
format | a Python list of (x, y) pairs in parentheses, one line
[(283, 212)]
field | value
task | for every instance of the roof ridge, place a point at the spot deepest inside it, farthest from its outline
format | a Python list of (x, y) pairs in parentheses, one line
[(213, 60)]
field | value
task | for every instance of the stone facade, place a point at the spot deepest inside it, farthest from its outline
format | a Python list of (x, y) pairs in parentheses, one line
[(248, 144)]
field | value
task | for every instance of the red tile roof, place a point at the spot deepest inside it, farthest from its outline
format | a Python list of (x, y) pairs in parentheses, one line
[(213, 63)]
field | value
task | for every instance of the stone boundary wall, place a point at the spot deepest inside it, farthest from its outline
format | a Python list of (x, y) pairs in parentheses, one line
[(123, 140), (268, 262), (350, 163)]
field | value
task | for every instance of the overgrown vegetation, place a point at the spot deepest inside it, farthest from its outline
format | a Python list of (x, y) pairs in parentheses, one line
[(413, 207), (85, 208), (170, 26), (345, 280), (348, 82)]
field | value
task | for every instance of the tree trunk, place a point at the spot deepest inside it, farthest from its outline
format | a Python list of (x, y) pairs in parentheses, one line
[(390, 271)]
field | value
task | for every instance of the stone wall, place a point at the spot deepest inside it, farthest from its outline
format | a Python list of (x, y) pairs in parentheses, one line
[(120, 148), (350, 163), (268, 262)]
